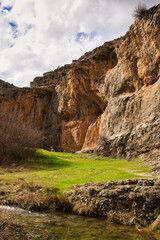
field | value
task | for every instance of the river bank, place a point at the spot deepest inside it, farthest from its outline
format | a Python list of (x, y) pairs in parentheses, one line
[(133, 202), (132, 197), (27, 225)]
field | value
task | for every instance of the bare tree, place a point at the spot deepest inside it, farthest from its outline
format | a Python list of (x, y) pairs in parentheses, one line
[(18, 139), (140, 11)]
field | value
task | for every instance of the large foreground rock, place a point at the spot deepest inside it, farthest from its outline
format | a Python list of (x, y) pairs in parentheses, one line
[(129, 202)]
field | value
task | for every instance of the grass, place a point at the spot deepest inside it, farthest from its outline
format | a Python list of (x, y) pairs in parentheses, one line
[(62, 170)]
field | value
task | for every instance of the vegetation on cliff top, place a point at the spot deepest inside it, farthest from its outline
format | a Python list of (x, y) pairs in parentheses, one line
[(5, 85), (105, 52), (140, 11)]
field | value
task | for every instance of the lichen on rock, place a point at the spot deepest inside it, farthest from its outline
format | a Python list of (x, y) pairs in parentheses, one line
[(129, 202)]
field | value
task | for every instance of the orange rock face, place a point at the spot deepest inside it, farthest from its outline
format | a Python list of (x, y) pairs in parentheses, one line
[(111, 91), (31, 102)]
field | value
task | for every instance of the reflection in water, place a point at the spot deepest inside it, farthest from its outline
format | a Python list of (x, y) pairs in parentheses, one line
[(59, 226)]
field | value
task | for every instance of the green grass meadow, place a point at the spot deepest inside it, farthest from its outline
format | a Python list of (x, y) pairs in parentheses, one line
[(62, 170)]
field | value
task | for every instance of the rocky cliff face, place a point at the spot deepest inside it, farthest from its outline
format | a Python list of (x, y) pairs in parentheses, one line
[(112, 91)]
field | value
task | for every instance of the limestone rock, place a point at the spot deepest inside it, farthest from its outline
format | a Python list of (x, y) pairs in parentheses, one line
[(112, 91), (130, 202)]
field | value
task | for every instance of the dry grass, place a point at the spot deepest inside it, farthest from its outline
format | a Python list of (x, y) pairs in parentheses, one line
[(62, 203), (156, 224), (6, 227), (82, 209), (32, 197)]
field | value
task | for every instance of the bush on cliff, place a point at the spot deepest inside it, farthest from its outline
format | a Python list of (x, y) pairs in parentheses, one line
[(6, 85), (140, 11), (105, 53), (18, 139)]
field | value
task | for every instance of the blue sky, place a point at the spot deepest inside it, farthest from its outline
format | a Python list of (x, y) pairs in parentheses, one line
[(8, 8), (37, 36)]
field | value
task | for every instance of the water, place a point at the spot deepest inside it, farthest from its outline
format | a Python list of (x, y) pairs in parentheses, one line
[(60, 226)]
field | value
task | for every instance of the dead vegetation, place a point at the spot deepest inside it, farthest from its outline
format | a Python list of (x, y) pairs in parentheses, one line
[(32, 197), (82, 209), (18, 139), (6, 227), (140, 11)]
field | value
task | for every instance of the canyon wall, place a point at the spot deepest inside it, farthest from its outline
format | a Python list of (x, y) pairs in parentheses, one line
[(112, 92)]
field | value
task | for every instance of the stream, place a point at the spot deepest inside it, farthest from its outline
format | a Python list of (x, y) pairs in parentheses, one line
[(61, 226)]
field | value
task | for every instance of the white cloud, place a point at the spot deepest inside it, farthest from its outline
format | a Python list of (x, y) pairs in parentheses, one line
[(45, 32)]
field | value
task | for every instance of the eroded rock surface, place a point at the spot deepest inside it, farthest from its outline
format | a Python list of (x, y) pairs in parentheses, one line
[(112, 91), (129, 202)]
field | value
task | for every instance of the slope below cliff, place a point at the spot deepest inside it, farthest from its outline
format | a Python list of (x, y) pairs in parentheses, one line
[(112, 91)]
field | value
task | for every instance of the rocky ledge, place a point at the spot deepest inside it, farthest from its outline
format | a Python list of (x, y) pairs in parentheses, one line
[(129, 202), (153, 159)]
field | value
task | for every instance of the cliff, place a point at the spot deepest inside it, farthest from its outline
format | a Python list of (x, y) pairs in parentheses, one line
[(112, 91)]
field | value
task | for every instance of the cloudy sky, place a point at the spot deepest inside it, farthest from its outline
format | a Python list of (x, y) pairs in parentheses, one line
[(37, 36)]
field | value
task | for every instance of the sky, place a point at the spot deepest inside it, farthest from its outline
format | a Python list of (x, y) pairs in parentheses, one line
[(37, 36)]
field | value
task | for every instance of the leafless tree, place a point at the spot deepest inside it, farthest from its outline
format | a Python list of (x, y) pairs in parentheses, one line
[(18, 139)]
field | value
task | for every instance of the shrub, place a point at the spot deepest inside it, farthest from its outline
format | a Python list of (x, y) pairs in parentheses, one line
[(140, 11), (62, 203), (104, 53), (82, 209), (18, 139)]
